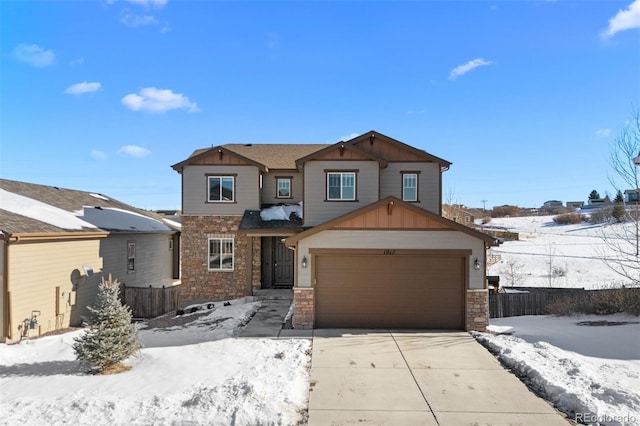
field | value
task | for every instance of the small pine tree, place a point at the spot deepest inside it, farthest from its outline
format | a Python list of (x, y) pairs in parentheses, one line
[(594, 195), (111, 337), (619, 197)]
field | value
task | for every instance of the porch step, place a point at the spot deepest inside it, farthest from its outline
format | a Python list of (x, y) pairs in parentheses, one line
[(274, 294)]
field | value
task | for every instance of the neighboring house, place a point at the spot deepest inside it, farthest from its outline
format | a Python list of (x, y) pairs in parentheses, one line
[(458, 213), (56, 244), (355, 227), (575, 204), (599, 202), (632, 196), (551, 204)]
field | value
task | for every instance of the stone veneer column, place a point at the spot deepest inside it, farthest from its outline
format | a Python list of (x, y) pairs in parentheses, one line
[(303, 308), (198, 283), (477, 310), (256, 266)]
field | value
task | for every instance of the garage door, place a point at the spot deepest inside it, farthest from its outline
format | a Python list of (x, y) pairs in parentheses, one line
[(392, 291)]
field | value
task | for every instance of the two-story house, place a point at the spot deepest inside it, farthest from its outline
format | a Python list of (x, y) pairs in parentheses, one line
[(355, 228)]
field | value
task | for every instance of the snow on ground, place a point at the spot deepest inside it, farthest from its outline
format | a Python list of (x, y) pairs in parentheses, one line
[(589, 372), (192, 371), (574, 251)]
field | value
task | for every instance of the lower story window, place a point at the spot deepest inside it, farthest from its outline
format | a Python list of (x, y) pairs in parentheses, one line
[(131, 256), (221, 254)]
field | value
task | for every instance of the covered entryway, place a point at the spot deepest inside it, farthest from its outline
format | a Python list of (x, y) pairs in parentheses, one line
[(390, 289), (277, 264)]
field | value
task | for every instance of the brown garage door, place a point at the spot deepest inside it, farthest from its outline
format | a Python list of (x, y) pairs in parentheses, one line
[(393, 291)]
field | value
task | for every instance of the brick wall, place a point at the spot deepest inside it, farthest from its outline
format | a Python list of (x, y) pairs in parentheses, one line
[(198, 282), (303, 308), (477, 310)]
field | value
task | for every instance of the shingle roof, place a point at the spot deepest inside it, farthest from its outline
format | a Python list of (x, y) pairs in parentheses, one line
[(68, 200), (275, 156), (272, 156)]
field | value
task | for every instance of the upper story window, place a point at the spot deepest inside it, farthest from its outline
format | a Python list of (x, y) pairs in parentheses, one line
[(221, 188), (410, 186), (221, 254), (283, 187), (341, 186)]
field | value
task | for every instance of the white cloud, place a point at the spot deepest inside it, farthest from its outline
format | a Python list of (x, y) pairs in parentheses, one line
[(465, 68), (34, 55), (132, 20), (78, 61), (84, 87), (134, 151), (624, 20), (98, 155), (603, 133), (158, 101), (349, 136), (158, 4)]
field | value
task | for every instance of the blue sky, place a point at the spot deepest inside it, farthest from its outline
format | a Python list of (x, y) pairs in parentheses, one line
[(523, 97)]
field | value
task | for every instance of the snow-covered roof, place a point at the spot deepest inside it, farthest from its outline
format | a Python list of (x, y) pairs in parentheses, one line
[(282, 212), (27, 208)]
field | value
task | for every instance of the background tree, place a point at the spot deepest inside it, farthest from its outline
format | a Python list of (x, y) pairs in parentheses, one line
[(111, 337), (594, 195), (619, 212), (623, 240)]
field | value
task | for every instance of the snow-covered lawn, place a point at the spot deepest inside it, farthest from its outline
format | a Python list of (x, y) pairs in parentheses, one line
[(575, 252), (588, 370), (192, 371)]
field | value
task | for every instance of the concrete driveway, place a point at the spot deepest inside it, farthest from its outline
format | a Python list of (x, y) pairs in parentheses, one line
[(430, 378)]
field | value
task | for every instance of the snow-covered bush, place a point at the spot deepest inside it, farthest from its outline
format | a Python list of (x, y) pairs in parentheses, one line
[(111, 337), (569, 219)]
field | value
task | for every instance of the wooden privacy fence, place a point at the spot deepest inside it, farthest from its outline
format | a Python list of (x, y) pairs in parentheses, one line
[(150, 302), (518, 304)]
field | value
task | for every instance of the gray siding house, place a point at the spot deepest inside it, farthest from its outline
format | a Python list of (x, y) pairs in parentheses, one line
[(355, 228)]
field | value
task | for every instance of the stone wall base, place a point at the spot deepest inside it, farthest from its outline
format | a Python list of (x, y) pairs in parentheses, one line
[(477, 310), (303, 308)]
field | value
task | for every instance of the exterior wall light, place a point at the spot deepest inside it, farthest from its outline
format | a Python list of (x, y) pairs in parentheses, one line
[(476, 264), (305, 262)]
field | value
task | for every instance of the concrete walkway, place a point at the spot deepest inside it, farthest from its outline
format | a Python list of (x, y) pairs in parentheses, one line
[(270, 317), (431, 378)]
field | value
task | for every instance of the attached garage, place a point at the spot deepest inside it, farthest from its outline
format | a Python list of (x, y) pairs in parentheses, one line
[(365, 290), (390, 265)]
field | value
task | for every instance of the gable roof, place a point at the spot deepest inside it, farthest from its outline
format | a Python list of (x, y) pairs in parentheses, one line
[(342, 147), (28, 208), (391, 213), (368, 142), (264, 156)]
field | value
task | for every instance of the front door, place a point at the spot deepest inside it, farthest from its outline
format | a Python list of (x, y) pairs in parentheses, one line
[(283, 265)]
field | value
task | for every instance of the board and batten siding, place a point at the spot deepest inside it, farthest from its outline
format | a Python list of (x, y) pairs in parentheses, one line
[(316, 209), (195, 190), (428, 183), (36, 269), (436, 240), (269, 187)]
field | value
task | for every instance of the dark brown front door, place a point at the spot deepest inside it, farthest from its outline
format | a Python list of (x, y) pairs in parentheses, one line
[(283, 265)]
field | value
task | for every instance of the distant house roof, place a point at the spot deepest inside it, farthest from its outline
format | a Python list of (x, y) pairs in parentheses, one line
[(27, 208)]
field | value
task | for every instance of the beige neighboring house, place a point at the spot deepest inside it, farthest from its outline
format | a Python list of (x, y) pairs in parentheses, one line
[(355, 228), (457, 213), (56, 245)]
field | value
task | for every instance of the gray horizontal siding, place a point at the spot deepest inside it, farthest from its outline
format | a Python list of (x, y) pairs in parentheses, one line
[(428, 183), (194, 190), (316, 209), (269, 187)]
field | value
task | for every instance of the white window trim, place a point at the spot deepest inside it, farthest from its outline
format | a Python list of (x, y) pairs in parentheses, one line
[(342, 174), (233, 254), (233, 181), (404, 198), (131, 255), (288, 180)]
